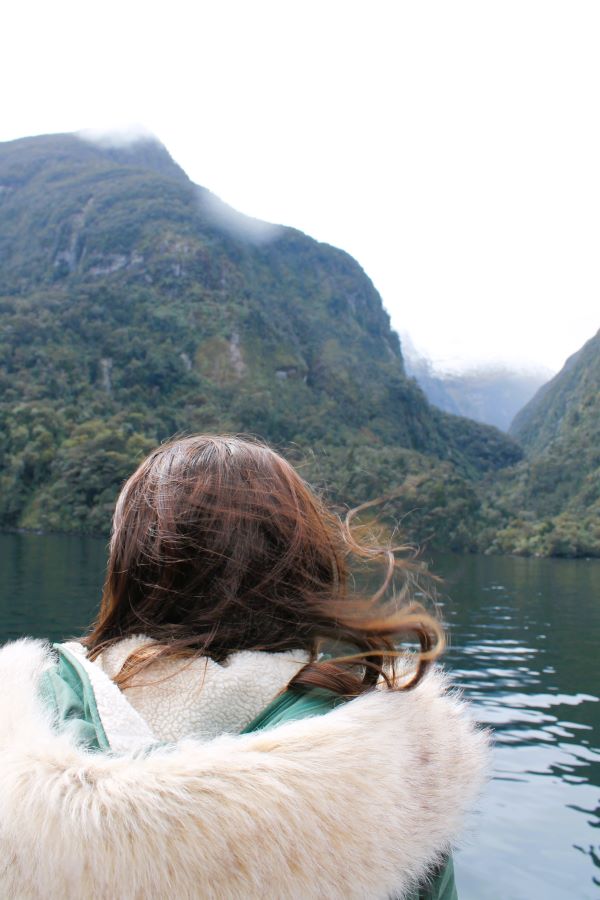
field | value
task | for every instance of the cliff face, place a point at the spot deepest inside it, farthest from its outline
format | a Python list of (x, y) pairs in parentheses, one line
[(136, 305)]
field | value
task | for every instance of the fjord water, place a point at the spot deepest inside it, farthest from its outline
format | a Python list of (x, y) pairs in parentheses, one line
[(524, 639)]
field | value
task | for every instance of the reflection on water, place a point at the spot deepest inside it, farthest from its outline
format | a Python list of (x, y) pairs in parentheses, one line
[(524, 637)]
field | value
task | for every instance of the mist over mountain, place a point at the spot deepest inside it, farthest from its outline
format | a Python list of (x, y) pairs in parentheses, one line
[(136, 305), (490, 394)]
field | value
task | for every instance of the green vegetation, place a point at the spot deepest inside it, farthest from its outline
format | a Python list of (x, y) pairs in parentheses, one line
[(135, 306), (551, 501)]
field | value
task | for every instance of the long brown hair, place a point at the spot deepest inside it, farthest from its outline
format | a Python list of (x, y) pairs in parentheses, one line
[(219, 545)]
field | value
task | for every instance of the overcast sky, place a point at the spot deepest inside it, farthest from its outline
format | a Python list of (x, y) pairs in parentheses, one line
[(452, 147)]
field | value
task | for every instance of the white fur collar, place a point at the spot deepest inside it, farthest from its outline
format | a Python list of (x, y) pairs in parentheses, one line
[(358, 803), (199, 697)]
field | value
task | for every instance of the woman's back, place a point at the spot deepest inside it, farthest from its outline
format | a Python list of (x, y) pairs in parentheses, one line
[(199, 743), (362, 801)]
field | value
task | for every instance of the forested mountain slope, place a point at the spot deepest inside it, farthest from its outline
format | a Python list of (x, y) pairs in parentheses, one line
[(566, 407), (556, 491), (135, 305)]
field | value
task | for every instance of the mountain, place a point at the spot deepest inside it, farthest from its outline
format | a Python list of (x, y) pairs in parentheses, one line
[(136, 305), (554, 496), (565, 408), (491, 394)]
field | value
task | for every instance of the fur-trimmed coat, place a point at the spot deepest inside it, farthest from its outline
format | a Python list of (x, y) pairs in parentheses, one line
[(359, 803)]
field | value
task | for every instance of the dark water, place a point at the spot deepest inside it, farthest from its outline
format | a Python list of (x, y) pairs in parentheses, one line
[(524, 647), (525, 637)]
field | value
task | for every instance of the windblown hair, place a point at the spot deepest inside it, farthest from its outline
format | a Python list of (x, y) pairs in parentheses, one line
[(218, 545)]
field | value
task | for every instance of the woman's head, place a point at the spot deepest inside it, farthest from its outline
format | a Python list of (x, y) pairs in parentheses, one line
[(219, 545)]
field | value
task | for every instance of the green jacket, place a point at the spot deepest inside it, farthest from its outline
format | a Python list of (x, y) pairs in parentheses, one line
[(67, 691), (321, 798)]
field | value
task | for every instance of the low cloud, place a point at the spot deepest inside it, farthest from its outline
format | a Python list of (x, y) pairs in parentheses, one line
[(226, 218), (120, 135)]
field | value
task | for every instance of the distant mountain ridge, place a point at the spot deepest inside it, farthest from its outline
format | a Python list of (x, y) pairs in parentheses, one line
[(488, 394), (136, 305)]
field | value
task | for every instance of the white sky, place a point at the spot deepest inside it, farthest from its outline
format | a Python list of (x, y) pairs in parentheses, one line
[(452, 147)]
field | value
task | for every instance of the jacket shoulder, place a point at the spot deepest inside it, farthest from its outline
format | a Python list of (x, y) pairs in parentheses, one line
[(67, 690), (363, 801)]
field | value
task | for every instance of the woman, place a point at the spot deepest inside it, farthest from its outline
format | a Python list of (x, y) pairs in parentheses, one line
[(236, 724)]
